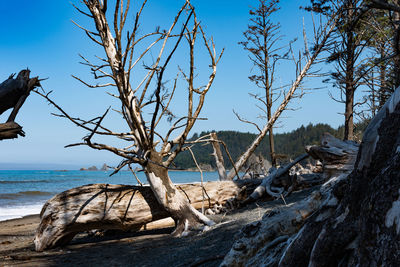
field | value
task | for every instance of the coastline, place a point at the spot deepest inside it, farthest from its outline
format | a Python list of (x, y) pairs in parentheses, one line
[(137, 248)]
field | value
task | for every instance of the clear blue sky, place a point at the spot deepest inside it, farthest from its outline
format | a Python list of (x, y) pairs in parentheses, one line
[(40, 35)]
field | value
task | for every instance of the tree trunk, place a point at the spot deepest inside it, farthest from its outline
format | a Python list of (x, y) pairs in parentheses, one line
[(382, 93), (174, 201), (348, 115), (219, 159), (104, 206), (272, 148), (364, 229), (396, 45), (350, 58)]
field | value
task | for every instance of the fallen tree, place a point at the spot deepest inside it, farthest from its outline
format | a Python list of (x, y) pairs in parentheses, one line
[(104, 206), (13, 93), (354, 219)]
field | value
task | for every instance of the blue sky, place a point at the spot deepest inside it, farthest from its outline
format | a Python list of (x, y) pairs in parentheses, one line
[(40, 35)]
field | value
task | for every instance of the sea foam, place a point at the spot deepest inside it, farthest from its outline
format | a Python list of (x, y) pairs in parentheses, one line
[(13, 212)]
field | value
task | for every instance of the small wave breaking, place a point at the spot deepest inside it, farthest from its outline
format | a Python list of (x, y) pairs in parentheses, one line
[(7, 213)]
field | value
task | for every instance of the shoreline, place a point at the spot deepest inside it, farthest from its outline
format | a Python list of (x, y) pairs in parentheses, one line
[(28, 216), (138, 248)]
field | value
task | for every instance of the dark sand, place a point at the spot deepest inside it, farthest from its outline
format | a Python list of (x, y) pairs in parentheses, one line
[(145, 248)]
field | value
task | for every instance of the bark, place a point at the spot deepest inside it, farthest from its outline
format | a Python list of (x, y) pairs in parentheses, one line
[(348, 114), (104, 206), (260, 241)]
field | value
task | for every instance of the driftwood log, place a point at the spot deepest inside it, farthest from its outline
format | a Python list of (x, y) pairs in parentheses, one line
[(13, 93), (10, 130), (104, 206), (337, 156)]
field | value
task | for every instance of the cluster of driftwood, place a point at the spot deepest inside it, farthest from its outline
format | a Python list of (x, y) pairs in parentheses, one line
[(13, 93), (260, 242), (352, 220), (104, 206)]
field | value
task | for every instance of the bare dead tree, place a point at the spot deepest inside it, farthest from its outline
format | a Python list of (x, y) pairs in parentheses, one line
[(262, 42), (303, 65), (145, 105)]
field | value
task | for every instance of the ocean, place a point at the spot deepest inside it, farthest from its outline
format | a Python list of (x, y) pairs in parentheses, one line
[(24, 192)]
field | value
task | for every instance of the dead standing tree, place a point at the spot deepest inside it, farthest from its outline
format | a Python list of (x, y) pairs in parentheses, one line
[(261, 41), (303, 66), (148, 147)]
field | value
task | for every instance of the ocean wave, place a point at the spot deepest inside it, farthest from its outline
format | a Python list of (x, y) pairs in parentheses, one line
[(26, 181), (24, 194), (19, 211)]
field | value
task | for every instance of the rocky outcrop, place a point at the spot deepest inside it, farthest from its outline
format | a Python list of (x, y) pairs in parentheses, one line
[(104, 167), (92, 168)]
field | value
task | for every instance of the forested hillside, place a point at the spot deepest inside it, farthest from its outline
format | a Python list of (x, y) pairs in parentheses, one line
[(288, 145)]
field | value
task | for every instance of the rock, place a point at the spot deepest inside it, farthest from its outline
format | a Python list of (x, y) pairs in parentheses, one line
[(104, 167)]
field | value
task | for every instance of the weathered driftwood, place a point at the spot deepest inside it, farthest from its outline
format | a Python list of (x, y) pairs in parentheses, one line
[(270, 238), (337, 156), (104, 206), (13, 93), (256, 241), (266, 184), (10, 130)]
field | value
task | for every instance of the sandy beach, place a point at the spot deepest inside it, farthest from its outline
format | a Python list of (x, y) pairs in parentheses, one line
[(144, 248)]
